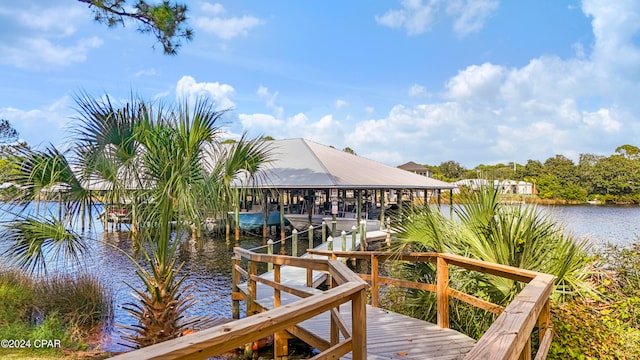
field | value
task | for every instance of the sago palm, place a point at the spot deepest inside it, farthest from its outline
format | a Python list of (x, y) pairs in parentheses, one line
[(486, 229)]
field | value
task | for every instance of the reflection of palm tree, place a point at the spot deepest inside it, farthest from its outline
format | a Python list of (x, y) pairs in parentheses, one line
[(160, 160)]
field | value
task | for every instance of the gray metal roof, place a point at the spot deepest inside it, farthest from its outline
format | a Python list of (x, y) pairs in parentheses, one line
[(304, 164)]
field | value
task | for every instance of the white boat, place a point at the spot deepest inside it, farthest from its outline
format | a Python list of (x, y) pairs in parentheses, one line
[(301, 221), (347, 223)]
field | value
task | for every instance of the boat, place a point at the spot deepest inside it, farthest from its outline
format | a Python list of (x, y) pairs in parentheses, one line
[(347, 223), (253, 220), (301, 221)]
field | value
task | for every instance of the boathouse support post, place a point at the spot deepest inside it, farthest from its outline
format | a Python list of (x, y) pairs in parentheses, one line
[(294, 242), (359, 205), (399, 202), (282, 235), (381, 209), (237, 217), (442, 292), (265, 214), (353, 243)]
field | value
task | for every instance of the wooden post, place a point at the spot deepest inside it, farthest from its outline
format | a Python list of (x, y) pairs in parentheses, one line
[(442, 292), (324, 232), (334, 222), (544, 320), (353, 243), (526, 351), (330, 243), (363, 235), (382, 209), (276, 292), (294, 242), (253, 270), (359, 206), (310, 237), (343, 235), (270, 252), (359, 326), (235, 280), (375, 286), (237, 215), (282, 235), (265, 214)]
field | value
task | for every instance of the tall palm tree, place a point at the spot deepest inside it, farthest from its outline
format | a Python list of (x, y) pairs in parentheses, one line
[(160, 159)]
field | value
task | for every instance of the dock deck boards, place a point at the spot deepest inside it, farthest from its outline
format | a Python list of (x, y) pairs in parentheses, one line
[(389, 335)]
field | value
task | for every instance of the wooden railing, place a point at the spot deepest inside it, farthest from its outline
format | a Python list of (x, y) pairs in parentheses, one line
[(348, 287), (509, 337)]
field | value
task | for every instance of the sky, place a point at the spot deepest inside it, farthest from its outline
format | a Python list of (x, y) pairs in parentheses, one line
[(473, 81)]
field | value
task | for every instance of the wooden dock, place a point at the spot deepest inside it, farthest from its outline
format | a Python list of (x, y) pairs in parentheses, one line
[(339, 323), (389, 335)]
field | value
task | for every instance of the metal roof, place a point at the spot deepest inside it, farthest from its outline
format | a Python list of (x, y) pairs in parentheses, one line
[(304, 164)]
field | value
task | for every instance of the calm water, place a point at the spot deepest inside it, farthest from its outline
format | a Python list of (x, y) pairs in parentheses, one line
[(209, 261)]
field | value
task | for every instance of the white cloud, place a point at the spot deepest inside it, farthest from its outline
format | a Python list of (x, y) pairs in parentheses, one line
[(146, 72), (223, 27), (476, 82), (54, 117), (35, 37), (270, 101), (417, 91), (188, 88), (260, 124), (470, 15), (341, 104), (416, 17)]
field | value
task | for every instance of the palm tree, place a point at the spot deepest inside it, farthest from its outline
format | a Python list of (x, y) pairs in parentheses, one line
[(169, 163)]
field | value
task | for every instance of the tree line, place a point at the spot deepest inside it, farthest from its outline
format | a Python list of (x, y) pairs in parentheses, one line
[(608, 179)]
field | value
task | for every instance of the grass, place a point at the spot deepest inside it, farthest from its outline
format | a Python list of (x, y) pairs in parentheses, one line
[(61, 308)]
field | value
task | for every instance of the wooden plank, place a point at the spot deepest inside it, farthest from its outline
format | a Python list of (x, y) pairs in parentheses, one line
[(359, 319), (336, 351), (504, 271), (545, 344), (479, 303)]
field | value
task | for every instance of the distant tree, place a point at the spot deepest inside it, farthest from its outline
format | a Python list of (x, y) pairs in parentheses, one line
[(7, 133), (616, 176), (349, 150), (451, 169), (268, 138), (629, 151), (167, 21), (562, 168)]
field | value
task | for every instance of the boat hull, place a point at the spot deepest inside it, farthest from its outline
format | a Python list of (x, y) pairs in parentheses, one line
[(347, 224), (301, 221), (255, 220)]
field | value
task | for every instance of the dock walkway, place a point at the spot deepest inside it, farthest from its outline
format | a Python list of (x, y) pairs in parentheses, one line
[(389, 335)]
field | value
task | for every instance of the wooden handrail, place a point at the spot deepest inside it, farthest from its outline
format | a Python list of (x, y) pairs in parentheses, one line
[(206, 343), (509, 336)]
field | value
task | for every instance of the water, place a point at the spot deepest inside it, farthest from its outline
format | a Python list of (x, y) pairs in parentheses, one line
[(618, 225), (209, 261)]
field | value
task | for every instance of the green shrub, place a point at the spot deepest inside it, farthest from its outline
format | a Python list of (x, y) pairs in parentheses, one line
[(82, 303), (16, 297)]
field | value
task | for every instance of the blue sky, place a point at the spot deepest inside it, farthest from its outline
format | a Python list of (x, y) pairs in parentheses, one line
[(475, 81)]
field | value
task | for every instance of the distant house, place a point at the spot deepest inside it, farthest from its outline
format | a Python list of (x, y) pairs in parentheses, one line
[(505, 186), (472, 184), (416, 169), (516, 187)]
